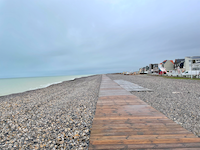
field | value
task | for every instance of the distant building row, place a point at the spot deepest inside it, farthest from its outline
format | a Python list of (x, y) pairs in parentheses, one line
[(178, 66)]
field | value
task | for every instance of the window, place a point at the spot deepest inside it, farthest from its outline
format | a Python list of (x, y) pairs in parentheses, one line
[(195, 68), (197, 61)]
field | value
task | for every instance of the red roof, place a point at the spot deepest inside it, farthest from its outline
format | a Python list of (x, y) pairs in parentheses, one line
[(172, 61), (169, 60), (164, 61)]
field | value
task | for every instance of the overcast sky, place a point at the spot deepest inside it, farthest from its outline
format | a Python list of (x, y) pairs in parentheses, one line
[(70, 37)]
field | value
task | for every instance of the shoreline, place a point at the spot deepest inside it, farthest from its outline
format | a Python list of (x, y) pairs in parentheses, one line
[(58, 116), (45, 86)]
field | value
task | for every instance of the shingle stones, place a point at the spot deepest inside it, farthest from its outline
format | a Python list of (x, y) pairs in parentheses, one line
[(57, 117)]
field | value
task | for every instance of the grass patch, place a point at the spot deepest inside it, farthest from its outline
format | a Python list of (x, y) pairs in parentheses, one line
[(180, 78)]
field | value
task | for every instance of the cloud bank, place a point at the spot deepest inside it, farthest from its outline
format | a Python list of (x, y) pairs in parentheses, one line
[(65, 37)]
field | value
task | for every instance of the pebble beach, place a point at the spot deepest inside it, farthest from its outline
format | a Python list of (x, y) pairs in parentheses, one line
[(61, 115), (178, 99), (57, 117)]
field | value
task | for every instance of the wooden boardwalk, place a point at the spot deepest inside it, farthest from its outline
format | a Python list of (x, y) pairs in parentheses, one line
[(123, 121)]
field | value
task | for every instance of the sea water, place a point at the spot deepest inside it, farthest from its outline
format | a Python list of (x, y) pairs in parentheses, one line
[(18, 85)]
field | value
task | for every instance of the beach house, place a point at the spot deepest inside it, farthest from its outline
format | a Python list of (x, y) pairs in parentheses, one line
[(144, 70), (140, 70), (150, 68), (168, 65), (179, 65), (192, 63), (153, 68), (147, 69)]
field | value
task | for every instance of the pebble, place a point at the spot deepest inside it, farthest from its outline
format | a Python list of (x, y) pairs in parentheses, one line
[(56, 117)]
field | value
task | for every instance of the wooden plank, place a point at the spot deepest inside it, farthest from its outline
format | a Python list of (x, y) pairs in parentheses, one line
[(129, 133), (144, 130), (128, 117), (179, 146), (129, 126), (146, 141), (135, 121), (121, 97), (169, 136)]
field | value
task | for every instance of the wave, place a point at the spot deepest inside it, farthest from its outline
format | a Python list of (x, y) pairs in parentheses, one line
[(46, 85)]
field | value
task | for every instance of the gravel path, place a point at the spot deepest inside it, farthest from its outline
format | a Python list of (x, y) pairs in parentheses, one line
[(57, 117), (178, 99)]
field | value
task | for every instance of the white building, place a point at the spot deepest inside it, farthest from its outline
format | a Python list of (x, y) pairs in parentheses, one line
[(168, 65), (192, 63)]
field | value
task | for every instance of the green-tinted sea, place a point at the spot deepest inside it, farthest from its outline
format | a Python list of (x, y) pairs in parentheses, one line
[(18, 85)]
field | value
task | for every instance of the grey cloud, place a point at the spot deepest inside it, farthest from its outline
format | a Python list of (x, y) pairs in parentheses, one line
[(94, 36)]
